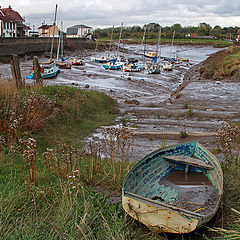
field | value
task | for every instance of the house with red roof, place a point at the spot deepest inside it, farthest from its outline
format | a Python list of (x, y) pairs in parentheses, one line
[(48, 30), (11, 23)]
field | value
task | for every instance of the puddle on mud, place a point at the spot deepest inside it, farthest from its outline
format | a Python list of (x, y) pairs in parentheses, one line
[(188, 179)]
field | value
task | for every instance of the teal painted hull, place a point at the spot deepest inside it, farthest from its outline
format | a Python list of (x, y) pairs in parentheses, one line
[(47, 73), (149, 183)]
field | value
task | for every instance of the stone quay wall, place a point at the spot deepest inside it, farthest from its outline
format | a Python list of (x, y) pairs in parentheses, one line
[(21, 46)]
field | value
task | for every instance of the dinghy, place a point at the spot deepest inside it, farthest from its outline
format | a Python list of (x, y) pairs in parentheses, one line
[(176, 189)]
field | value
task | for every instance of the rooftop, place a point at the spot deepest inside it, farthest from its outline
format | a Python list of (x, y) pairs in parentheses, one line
[(14, 15), (74, 29)]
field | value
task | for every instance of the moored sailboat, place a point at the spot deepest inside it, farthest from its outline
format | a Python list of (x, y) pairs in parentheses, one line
[(63, 63), (49, 69)]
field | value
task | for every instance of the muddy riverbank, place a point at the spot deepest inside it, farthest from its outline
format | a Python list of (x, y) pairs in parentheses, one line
[(158, 107)]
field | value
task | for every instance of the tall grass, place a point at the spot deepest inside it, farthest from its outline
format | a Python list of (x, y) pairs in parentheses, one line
[(20, 115), (229, 142), (47, 197)]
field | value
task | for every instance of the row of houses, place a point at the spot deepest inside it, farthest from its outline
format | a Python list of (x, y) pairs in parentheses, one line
[(77, 31), (13, 25)]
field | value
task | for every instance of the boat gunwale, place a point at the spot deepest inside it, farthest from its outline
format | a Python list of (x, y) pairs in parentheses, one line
[(167, 206), (216, 162)]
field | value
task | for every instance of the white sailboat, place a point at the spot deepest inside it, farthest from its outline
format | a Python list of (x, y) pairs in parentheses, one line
[(49, 69), (63, 63), (155, 66)]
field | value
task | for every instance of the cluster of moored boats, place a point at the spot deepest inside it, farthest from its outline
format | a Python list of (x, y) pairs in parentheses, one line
[(149, 62), (51, 68), (153, 66)]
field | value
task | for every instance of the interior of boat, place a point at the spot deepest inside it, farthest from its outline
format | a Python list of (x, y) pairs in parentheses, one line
[(184, 182)]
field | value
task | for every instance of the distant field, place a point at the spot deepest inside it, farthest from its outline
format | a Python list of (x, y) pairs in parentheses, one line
[(186, 41)]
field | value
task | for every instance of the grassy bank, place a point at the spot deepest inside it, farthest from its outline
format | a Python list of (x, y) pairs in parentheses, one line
[(223, 64), (48, 185), (48, 181), (187, 41)]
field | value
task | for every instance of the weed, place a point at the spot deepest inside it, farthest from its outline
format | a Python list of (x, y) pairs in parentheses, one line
[(150, 137), (229, 140), (183, 134), (152, 105), (124, 121), (164, 143), (30, 158), (158, 115), (186, 105), (190, 112), (177, 116), (117, 145), (23, 114), (199, 117)]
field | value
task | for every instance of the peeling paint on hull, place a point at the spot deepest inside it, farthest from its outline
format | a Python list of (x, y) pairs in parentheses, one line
[(159, 219)]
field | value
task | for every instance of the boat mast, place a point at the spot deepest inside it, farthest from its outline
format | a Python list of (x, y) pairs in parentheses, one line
[(143, 39), (172, 42), (61, 39), (110, 46), (54, 26), (145, 43), (96, 45), (120, 35), (60, 42), (158, 41), (160, 53)]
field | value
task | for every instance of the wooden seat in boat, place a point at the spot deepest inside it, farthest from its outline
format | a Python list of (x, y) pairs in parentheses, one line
[(189, 161)]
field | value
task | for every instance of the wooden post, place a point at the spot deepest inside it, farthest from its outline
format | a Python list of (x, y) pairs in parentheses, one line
[(37, 71), (16, 73)]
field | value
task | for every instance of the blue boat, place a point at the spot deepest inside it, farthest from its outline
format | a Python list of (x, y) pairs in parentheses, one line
[(103, 59), (113, 65), (47, 72), (176, 189), (132, 67)]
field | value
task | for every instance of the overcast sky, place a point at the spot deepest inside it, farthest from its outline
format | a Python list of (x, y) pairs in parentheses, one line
[(105, 13)]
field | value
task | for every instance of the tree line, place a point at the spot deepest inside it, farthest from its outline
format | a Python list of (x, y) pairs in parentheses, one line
[(203, 29)]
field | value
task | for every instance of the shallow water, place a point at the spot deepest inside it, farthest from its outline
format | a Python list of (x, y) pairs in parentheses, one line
[(191, 179)]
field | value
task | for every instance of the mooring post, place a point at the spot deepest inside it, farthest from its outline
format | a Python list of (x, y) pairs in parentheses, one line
[(16, 73), (37, 71)]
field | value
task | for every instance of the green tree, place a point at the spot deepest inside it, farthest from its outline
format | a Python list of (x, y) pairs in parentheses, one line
[(152, 27), (207, 28), (176, 27), (202, 31), (216, 31)]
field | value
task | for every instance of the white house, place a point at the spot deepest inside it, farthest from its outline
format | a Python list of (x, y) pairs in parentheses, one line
[(8, 27), (11, 23), (79, 31)]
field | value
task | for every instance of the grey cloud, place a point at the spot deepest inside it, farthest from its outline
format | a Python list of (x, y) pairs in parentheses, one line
[(137, 12)]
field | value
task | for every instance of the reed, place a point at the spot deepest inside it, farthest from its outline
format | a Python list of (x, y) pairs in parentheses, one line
[(228, 137), (117, 145), (22, 114), (30, 159)]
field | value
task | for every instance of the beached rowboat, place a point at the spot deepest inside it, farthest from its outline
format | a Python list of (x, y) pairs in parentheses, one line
[(175, 189)]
